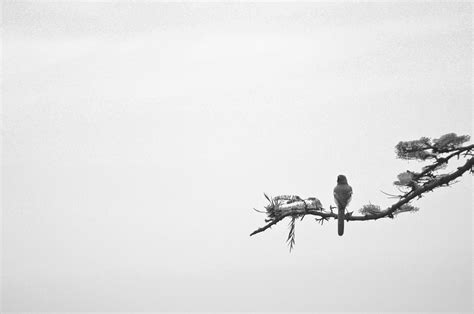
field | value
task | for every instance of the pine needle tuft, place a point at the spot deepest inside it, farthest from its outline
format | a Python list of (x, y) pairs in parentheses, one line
[(291, 234)]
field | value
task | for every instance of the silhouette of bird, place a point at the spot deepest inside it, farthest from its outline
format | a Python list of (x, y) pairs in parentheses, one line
[(342, 197)]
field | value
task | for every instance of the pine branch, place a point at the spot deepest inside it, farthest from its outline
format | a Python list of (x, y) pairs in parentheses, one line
[(417, 184)]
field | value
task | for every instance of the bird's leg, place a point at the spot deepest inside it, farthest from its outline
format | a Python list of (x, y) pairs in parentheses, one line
[(348, 214)]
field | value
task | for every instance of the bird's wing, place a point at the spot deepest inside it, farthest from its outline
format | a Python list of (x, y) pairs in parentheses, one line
[(336, 200), (342, 195)]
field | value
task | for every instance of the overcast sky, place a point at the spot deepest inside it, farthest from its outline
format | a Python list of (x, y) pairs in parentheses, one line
[(137, 138)]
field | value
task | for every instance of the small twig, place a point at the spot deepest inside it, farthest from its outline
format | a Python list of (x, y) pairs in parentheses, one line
[(391, 195), (321, 220)]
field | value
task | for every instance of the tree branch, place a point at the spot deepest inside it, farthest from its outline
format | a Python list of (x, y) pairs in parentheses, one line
[(444, 180), (405, 199)]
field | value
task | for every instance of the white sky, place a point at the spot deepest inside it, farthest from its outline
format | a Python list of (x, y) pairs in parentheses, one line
[(137, 138)]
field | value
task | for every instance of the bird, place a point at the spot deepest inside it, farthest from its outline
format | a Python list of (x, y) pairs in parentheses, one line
[(342, 197)]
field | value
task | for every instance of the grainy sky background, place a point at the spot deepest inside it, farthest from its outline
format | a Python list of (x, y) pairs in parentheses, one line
[(137, 138)]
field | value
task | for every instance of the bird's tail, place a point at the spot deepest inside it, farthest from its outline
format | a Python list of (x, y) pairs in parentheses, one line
[(340, 221)]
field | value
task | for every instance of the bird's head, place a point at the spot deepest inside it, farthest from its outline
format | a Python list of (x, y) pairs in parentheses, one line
[(341, 179)]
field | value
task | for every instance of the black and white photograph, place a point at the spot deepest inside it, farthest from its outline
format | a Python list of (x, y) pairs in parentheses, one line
[(236, 156)]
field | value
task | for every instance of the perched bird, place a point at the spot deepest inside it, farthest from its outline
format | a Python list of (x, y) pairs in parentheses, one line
[(342, 196)]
